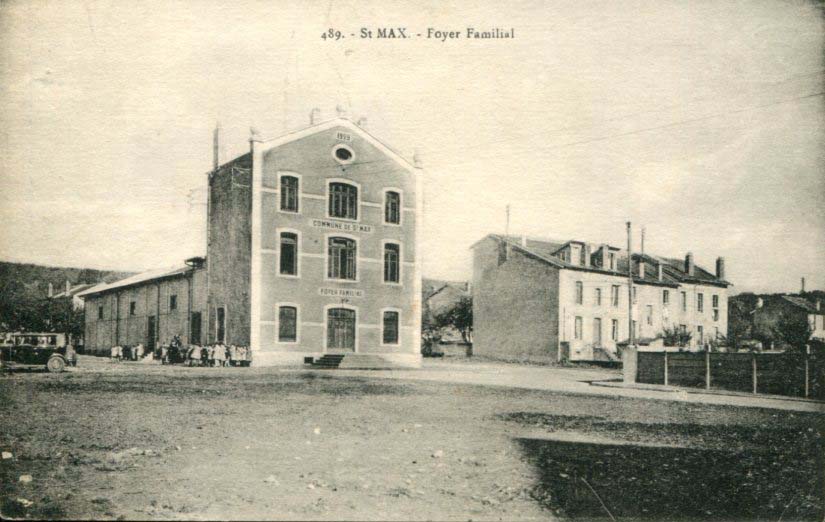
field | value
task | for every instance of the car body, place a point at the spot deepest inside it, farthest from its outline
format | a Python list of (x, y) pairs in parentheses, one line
[(40, 351)]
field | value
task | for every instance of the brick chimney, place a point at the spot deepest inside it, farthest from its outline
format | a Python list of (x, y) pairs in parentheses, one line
[(51, 290), (803, 286), (660, 272), (216, 147), (68, 286), (720, 267), (641, 268), (689, 266)]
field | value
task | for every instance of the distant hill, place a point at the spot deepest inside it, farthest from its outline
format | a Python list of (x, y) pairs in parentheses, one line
[(35, 279)]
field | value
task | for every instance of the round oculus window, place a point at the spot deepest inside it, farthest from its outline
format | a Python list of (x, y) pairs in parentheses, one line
[(343, 154)]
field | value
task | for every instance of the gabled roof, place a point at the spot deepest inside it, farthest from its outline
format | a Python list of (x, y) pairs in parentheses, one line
[(801, 302), (75, 290), (338, 122), (137, 279), (673, 272)]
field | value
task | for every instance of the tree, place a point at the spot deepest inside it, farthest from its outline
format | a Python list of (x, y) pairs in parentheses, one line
[(794, 330), (675, 336), (459, 317), (430, 331)]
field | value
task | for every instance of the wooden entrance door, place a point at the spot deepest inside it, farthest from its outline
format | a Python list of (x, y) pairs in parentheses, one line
[(151, 334), (341, 330)]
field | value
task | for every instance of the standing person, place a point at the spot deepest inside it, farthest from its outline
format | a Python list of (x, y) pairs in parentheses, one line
[(139, 352), (119, 354), (127, 353), (113, 353), (233, 353), (194, 355), (219, 355), (205, 355), (164, 354)]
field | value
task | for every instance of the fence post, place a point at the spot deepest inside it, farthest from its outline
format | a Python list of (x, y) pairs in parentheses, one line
[(807, 372), (754, 372), (666, 379), (707, 370)]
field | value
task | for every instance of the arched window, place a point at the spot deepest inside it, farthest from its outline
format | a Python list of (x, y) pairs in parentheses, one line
[(289, 193), (392, 262), (289, 253), (392, 207), (343, 201), (341, 257)]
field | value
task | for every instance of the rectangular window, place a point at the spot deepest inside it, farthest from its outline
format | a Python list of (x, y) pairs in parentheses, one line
[(614, 297), (100, 312), (716, 332), (635, 328), (614, 330), (289, 193), (392, 263), (343, 201), (597, 331), (700, 334), (220, 324), (289, 254), (612, 258), (650, 314), (715, 301), (665, 297), (392, 207), (341, 260), (582, 256), (579, 292), (684, 301), (578, 328), (598, 297), (715, 314), (287, 324), (634, 295), (173, 302), (132, 308), (700, 302), (683, 328), (195, 328), (390, 328)]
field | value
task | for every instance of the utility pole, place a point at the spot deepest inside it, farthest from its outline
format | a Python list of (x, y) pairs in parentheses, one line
[(631, 335)]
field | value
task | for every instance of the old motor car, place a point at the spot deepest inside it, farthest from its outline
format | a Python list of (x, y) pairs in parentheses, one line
[(41, 350)]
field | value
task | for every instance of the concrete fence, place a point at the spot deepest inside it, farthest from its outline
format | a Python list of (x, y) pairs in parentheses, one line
[(790, 374)]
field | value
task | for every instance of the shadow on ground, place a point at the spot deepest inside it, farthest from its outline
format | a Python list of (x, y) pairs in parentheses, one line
[(778, 478)]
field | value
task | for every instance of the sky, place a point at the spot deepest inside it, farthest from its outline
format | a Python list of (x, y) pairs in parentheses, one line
[(702, 121)]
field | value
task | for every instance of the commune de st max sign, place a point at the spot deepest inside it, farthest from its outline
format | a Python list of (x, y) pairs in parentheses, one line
[(341, 226)]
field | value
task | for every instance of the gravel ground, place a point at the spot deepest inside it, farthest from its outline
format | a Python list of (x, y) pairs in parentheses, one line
[(143, 441)]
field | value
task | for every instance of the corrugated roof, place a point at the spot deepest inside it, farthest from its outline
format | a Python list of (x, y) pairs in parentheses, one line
[(143, 277)]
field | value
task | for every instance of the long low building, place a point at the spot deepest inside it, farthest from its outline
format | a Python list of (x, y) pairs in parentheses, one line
[(569, 299), (149, 308)]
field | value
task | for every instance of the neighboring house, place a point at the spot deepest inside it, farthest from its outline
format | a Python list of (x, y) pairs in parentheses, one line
[(72, 291), (442, 296), (770, 310), (311, 249), (569, 299), (149, 308)]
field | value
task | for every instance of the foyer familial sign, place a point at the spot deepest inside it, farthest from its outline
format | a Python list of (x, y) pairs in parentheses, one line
[(341, 226), (340, 292)]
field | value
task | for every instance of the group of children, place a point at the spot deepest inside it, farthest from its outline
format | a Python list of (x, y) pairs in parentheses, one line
[(128, 353), (218, 355), (195, 355)]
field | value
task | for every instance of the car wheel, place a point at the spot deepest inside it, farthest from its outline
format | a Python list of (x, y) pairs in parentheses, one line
[(56, 364)]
